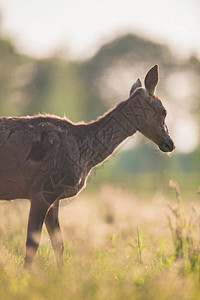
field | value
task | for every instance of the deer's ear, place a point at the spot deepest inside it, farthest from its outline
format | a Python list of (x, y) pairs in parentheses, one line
[(136, 85), (151, 80)]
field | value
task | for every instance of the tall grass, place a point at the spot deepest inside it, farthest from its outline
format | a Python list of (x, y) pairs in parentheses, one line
[(185, 230), (117, 246)]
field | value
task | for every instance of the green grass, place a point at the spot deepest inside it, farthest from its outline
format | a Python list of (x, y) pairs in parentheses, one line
[(117, 246)]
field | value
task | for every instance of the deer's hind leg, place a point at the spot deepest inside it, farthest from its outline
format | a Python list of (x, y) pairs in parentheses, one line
[(53, 228), (38, 210)]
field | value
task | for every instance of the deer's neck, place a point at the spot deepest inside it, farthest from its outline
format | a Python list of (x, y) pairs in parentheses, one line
[(103, 136)]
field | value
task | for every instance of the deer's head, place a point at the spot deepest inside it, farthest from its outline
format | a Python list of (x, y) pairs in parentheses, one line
[(150, 111)]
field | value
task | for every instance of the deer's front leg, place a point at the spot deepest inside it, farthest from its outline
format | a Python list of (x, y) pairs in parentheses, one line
[(38, 210), (53, 228)]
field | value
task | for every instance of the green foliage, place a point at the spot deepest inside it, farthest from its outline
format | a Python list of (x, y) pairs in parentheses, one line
[(139, 48)]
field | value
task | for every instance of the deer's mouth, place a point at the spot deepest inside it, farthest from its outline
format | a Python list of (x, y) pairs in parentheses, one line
[(167, 146)]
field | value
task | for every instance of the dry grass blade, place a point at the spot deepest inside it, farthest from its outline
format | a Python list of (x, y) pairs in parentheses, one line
[(185, 230)]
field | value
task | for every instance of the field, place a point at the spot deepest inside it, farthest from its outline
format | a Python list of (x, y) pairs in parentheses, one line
[(118, 245)]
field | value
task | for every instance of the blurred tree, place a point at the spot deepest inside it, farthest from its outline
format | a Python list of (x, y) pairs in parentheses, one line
[(83, 91)]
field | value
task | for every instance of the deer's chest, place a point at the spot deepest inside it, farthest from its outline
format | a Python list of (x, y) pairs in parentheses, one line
[(64, 173)]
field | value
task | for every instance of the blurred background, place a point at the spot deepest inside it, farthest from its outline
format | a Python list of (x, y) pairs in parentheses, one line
[(80, 58)]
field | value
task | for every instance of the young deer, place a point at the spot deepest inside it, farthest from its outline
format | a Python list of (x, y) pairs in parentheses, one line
[(45, 158)]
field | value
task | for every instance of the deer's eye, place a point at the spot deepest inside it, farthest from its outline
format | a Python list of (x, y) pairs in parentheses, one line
[(164, 112)]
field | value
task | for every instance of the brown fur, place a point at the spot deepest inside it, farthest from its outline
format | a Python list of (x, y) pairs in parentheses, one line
[(45, 158)]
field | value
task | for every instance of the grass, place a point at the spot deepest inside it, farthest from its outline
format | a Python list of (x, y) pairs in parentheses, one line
[(117, 246)]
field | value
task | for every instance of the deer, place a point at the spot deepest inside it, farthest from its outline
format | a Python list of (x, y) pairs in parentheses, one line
[(45, 158)]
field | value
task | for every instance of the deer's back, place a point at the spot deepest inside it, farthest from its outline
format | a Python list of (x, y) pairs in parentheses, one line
[(31, 150)]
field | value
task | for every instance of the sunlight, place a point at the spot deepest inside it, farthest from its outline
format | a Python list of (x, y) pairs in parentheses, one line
[(186, 134)]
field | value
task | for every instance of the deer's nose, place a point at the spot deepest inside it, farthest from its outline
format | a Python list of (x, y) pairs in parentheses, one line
[(167, 146), (170, 145)]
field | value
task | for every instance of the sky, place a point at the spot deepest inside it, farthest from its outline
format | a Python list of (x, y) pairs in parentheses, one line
[(41, 27)]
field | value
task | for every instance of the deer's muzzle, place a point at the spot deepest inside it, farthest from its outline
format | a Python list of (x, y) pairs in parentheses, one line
[(167, 146)]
